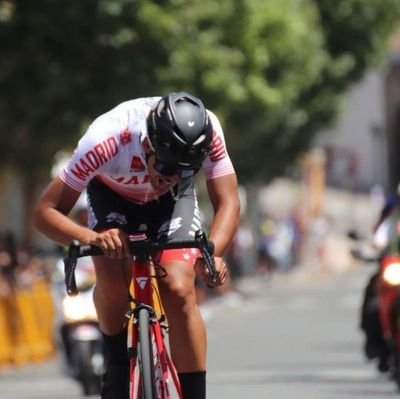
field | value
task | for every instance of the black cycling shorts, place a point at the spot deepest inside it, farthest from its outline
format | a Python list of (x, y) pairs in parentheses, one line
[(174, 215)]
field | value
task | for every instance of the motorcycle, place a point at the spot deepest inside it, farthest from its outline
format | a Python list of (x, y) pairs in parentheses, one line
[(77, 330), (381, 309)]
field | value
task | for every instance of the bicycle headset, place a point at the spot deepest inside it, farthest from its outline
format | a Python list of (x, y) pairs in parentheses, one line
[(180, 131)]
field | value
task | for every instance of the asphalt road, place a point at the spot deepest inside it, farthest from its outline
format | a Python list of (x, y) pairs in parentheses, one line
[(292, 337), (295, 338)]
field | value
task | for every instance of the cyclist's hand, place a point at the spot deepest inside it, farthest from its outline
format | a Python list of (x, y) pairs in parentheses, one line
[(113, 242), (201, 270)]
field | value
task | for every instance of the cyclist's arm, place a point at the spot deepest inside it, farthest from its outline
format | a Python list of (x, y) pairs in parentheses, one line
[(50, 215), (51, 219), (223, 194)]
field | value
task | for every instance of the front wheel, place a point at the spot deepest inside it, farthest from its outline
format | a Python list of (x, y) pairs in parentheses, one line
[(146, 356)]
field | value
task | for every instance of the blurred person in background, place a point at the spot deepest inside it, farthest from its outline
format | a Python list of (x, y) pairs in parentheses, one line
[(7, 277), (8, 257), (266, 262), (238, 251), (279, 243)]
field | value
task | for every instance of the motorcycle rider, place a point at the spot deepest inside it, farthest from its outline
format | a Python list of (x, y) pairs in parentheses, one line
[(385, 234)]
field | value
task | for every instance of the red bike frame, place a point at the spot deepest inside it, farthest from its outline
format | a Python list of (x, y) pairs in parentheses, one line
[(143, 289)]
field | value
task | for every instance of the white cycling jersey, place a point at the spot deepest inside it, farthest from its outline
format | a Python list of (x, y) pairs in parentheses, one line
[(112, 151)]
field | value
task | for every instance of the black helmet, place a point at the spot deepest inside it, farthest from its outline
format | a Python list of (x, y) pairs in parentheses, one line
[(180, 131)]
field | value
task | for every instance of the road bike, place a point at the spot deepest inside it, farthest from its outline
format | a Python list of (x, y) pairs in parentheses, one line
[(152, 374)]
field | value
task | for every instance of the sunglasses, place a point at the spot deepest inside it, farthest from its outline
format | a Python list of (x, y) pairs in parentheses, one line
[(168, 170)]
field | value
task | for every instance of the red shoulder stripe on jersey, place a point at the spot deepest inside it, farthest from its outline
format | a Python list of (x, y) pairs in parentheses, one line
[(217, 148)]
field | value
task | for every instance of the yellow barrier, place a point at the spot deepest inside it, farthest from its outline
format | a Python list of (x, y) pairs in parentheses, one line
[(26, 320), (6, 340), (26, 324), (45, 313)]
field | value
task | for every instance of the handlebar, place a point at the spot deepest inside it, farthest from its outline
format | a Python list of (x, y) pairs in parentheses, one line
[(138, 245)]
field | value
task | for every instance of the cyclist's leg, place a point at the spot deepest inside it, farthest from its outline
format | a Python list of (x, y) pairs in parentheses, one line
[(187, 333), (186, 326), (110, 298), (111, 293), (107, 210), (187, 330)]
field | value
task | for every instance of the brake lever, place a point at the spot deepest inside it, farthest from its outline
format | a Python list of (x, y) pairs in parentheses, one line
[(70, 262), (207, 249)]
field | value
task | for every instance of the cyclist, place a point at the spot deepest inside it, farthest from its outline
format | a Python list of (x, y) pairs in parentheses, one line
[(137, 162)]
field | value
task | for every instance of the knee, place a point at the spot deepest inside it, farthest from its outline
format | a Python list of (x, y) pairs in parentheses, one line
[(111, 289), (180, 294), (111, 295), (112, 282)]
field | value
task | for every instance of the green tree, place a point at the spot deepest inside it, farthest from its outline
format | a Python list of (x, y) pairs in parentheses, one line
[(66, 62), (63, 62), (273, 70), (277, 73)]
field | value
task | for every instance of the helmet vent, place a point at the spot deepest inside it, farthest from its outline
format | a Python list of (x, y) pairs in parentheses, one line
[(179, 138), (162, 110), (200, 139)]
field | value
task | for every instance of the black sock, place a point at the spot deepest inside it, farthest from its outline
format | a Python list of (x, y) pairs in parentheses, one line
[(115, 349), (193, 384)]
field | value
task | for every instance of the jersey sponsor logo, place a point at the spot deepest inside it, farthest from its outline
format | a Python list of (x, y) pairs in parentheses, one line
[(137, 164), (116, 217), (217, 148), (169, 227), (93, 159), (132, 179), (125, 137)]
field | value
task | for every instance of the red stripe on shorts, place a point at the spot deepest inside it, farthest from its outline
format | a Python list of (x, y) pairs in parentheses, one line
[(188, 255)]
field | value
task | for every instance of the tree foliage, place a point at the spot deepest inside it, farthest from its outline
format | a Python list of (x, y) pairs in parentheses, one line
[(273, 70), (63, 62)]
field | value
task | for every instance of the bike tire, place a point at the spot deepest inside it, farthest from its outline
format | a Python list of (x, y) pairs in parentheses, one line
[(146, 356)]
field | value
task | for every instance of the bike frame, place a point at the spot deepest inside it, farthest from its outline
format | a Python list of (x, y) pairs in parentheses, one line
[(143, 290), (150, 364)]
